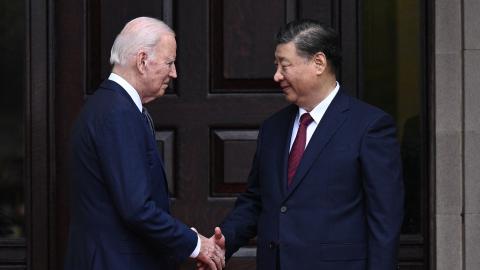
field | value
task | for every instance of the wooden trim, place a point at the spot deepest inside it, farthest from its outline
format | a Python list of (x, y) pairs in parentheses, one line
[(92, 47), (430, 110), (69, 85), (12, 252), (38, 188), (348, 12)]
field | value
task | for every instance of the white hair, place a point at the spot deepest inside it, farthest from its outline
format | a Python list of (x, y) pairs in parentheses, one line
[(142, 33)]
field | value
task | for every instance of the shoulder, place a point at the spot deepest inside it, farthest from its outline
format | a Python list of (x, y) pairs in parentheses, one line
[(285, 114), (107, 108), (110, 99), (370, 120), (365, 112)]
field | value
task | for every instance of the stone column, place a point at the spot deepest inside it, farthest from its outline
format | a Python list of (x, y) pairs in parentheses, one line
[(448, 134), (471, 56)]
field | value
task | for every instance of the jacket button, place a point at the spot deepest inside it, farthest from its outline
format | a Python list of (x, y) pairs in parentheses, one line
[(283, 209), (272, 245)]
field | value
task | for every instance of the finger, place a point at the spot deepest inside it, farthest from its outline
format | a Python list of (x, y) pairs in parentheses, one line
[(217, 261), (221, 257), (221, 261), (218, 233), (220, 253), (219, 238), (212, 264)]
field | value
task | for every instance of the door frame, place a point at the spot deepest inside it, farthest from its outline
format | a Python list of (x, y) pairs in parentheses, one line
[(44, 237)]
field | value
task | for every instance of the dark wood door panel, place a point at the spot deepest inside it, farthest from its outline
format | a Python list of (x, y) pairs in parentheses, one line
[(242, 37), (103, 21), (242, 44), (225, 90)]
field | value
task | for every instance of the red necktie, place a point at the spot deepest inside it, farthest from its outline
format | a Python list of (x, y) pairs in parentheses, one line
[(298, 146)]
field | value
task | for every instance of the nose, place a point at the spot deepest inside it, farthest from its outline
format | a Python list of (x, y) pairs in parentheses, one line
[(173, 71), (278, 75)]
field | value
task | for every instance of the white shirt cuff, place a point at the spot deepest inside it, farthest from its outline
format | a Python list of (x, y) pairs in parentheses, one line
[(196, 251)]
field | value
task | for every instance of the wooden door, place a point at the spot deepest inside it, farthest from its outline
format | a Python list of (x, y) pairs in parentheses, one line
[(224, 91), (208, 121)]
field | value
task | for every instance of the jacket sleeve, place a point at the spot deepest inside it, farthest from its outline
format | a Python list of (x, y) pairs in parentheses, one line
[(384, 191), (241, 223), (122, 152)]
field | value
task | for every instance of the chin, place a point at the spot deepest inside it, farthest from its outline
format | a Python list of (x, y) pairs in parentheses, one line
[(161, 92), (290, 98)]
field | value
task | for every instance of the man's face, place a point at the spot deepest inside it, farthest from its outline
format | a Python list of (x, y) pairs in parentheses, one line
[(295, 74), (160, 68)]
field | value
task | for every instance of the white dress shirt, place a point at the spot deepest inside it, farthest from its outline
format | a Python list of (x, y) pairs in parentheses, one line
[(129, 88), (317, 114), (136, 99)]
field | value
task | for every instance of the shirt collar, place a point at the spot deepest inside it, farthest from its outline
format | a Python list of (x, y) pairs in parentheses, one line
[(319, 110), (128, 87)]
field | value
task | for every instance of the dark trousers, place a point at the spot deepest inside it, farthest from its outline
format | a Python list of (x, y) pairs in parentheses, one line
[(278, 260)]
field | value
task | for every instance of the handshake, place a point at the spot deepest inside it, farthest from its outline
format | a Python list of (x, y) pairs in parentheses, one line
[(212, 252)]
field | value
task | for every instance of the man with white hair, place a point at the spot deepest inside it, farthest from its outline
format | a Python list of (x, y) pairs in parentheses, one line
[(120, 216)]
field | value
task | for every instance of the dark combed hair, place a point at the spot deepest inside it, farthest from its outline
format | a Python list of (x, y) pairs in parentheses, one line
[(311, 37)]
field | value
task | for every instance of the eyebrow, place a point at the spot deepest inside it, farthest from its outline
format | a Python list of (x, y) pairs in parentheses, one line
[(282, 60)]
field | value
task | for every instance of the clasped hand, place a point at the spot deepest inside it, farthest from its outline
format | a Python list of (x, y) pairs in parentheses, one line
[(212, 252)]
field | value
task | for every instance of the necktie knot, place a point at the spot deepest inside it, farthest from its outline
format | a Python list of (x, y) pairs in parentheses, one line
[(306, 119)]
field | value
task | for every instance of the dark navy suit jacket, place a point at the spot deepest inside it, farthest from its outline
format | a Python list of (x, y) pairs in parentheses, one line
[(345, 207), (120, 215)]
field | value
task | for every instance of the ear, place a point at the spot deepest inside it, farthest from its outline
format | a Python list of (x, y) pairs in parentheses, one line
[(141, 62), (320, 62)]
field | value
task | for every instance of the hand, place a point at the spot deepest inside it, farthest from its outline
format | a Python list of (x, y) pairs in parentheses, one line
[(219, 239), (211, 255)]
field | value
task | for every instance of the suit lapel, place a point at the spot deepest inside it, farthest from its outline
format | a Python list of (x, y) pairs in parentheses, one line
[(331, 121)]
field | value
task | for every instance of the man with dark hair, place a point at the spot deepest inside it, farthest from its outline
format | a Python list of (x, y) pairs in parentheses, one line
[(325, 189)]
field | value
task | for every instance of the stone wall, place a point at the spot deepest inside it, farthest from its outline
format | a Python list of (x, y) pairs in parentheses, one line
[(457, 134)]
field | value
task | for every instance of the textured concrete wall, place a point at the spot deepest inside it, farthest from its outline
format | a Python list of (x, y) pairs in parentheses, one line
[(449, 141), (472, 132), (457, 121)]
